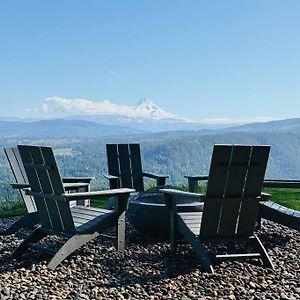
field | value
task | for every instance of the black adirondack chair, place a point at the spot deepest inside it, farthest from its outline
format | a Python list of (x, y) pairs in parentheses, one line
[(79, 224), (268, 209), (231, 204), (31, 218), (125, 167)]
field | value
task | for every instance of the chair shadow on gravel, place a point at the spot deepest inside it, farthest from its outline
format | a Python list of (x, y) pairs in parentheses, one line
[(271, 240), (150, 268), (7, 263), (173, 263)]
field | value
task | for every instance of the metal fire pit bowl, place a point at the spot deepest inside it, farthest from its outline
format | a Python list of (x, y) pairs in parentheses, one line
[(148, 214)]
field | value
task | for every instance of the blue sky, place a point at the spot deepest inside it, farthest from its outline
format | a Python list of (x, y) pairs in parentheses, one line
[(198, 59)]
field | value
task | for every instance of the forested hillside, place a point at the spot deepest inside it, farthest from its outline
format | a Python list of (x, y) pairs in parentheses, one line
[(176, 154)]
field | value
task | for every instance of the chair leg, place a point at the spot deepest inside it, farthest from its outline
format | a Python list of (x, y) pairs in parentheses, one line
[(193, 185), (29, 220), (258, 223), (161, 181), (264, 255), (173, 233), (196, 245), (120, 233), (34, 237), (80, 239), (75, 242)]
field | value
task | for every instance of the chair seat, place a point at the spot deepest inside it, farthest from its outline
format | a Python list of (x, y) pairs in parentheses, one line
[(192, 220), (86, 217)]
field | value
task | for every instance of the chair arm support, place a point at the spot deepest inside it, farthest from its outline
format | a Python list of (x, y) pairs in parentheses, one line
[(193, 181), (160, 179)]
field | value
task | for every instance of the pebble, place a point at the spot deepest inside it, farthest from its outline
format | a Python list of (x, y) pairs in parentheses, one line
[(147, 271)]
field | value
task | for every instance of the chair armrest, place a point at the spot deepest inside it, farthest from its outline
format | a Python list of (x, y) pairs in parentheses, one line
[(281, 180), (172, 195), (20, 185), (109, 177), (265, 197), (197, 177), (278, 183), (193, 181), (97, 194), (154, 176), (160, 179), (114, 181), (77, 179), (68, 186), (81, 196), (183, 194), (121, 197)]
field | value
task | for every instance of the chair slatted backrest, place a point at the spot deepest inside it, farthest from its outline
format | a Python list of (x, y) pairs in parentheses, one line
[(44, 178), (17, 168), (124, 161), (234, 184)]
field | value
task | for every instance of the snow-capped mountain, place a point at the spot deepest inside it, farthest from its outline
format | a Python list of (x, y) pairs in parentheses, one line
[(146, 109)]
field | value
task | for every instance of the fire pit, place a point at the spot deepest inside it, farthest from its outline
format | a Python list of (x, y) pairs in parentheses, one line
[(148, 214)]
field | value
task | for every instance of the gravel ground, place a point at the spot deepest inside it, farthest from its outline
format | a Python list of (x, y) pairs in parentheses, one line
[(147, 271)]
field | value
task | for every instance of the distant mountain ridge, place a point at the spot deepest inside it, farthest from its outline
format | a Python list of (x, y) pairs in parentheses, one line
[(287, 125), (94, 126), (60, 128)]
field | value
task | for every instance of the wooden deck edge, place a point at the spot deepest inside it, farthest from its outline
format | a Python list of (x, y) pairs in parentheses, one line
[(281, 215)]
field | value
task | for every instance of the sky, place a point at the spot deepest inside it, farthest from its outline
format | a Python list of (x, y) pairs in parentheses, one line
[(198, 59)]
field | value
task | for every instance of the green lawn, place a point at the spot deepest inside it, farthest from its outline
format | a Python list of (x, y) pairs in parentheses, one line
[(101, 203), (16, 211), (286, 197), (12, 207)]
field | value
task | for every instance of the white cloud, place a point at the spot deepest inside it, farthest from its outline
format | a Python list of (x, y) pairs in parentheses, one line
[(84, 106), (63, 106), (237, 120), (145, 109)]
